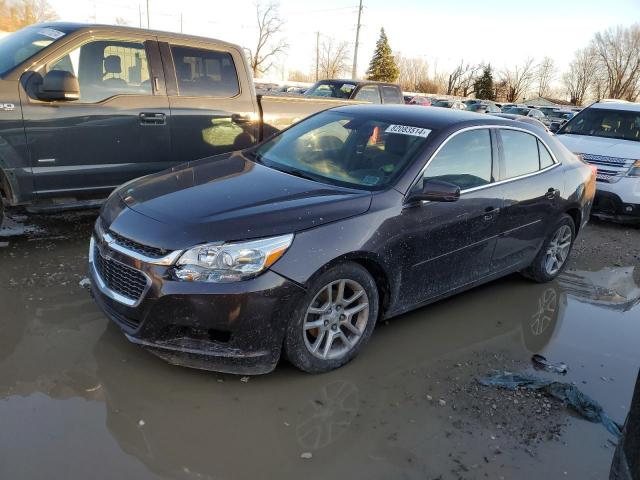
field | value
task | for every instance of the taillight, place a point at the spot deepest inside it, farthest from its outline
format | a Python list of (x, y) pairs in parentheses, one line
[(635, 170)]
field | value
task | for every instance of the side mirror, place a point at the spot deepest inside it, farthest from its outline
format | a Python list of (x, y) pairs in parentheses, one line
[(436, 191), (554, 127), (59, 85)]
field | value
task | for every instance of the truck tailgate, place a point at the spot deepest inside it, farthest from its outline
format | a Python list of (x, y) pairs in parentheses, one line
[(280, 111)]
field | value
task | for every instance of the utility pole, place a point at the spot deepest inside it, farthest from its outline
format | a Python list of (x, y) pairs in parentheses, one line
[(140, 14), (354, 70), (317, 55), (148, 16), (180, 22)]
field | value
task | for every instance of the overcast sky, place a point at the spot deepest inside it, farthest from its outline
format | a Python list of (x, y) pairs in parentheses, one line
[(443, 32)]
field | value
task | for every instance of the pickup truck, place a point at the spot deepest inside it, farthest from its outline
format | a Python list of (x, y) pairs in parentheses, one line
[(85, 108)]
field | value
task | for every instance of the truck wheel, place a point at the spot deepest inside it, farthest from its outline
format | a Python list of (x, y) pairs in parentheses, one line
[(552, 257), (334, 320)]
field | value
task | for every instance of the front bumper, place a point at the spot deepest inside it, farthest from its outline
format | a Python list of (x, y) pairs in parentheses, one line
[(232, 328), (609, 206)]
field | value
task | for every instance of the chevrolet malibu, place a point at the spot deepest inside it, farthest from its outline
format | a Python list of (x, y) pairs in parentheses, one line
[(297, 247)]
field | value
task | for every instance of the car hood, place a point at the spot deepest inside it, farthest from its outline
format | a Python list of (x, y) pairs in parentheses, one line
[(610, 147), (225, 198)]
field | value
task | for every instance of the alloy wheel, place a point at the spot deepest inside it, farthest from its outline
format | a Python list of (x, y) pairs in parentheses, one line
[(336, 319), (558, 250)]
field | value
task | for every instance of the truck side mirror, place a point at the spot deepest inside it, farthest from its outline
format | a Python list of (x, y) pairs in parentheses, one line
[(59, 85)]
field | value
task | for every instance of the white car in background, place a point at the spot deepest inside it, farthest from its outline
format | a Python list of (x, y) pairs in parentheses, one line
[(607, 135)]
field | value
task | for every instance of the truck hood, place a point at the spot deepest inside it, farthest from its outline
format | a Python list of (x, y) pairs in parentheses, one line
[(610, 147), (226, 198)]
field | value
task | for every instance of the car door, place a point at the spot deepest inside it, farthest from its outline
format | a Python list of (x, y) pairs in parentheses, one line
[(213, 109), (449, 244), (117, 130), (531, 189)]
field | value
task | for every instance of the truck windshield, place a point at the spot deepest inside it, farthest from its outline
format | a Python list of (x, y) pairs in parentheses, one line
[(344, 149), (331, 89), (25, 43), (600, 122)]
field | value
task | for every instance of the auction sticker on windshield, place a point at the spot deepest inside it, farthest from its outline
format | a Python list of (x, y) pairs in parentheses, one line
[(407, 130), (51, 33)]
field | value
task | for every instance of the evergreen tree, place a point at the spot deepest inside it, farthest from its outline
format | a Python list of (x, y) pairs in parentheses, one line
[(483, 86), (382, 67)]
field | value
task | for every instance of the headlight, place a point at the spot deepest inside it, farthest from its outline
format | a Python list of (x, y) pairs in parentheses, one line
[(635, 170), (231, 262)]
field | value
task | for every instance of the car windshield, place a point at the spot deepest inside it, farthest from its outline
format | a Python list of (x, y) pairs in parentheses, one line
[(353, 150), (25, 43), (441, 103), (517, 111), (599, 122), (331, 89)]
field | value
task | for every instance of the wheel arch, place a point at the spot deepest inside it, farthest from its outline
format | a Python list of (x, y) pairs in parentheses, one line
[(374, 267), (576, 215)]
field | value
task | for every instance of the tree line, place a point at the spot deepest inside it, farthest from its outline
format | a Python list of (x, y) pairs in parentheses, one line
[(16, 14)]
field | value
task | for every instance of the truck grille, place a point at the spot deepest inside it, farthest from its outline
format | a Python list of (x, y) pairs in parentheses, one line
[(610, 169), (120, 278)]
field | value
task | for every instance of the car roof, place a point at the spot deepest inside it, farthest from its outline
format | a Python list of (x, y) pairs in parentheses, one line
[(355, 82), (431, 118), (627, 106)]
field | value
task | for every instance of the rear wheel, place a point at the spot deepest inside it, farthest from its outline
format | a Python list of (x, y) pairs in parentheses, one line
[(553, 255), (334, 321)]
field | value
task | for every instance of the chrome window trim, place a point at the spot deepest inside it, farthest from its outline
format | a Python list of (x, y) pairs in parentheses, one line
[(106, 290), (166, 261), (499, 182)]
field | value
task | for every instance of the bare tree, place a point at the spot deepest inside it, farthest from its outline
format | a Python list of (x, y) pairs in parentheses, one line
[(21, 13), (413, 71), (545, 73), (518, 80), (334, 58), (618, 52), (268, 47), (581, 75), (461, 80), (300, 76)]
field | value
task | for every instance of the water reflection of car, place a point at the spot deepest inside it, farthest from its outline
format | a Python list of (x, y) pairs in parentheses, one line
[(616, 288), (449, 103)]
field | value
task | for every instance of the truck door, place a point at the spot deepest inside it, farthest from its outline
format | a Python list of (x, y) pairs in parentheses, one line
[(118, 128), (213, 106)]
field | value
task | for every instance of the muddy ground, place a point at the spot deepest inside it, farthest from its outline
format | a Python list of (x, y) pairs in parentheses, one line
[(78, 401)]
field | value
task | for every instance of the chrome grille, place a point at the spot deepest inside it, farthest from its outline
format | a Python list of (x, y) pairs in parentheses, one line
[(119, 278), (610, 169)]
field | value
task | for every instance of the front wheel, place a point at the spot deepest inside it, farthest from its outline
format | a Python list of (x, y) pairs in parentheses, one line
[(334, 321), (553, 255)]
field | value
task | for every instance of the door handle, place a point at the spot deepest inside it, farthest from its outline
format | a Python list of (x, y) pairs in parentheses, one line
[(153, 118), (490, 213), (551, 193)]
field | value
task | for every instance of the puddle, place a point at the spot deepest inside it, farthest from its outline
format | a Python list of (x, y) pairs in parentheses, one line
[(69, 381)]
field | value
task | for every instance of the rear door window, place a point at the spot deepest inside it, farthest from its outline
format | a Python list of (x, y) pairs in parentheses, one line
[(520, 153), (205, 73), (546, 160), (370, 93), (391, 94)]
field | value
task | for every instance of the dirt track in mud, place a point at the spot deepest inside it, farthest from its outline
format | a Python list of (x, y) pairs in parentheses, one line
[(78, 401)]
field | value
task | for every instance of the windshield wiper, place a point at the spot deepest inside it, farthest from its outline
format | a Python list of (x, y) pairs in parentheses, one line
[(297, 173)]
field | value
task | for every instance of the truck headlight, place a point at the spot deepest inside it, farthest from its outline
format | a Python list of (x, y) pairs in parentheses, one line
[(230, 262)]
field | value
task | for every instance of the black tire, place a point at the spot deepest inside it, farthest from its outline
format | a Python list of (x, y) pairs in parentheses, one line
[(537, 271), (297, 343)]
